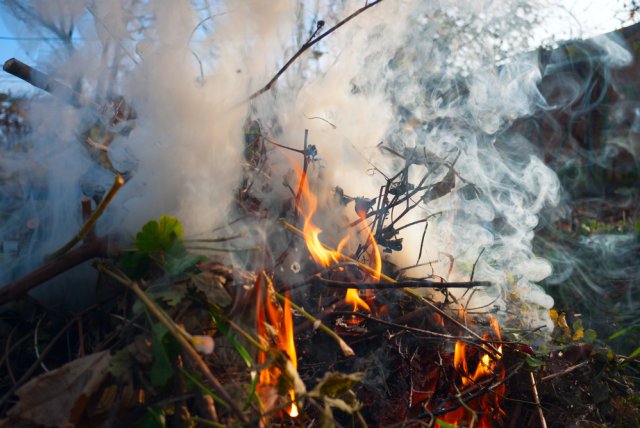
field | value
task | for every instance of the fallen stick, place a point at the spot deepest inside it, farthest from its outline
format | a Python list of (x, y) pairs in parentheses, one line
[(536, 399), (564, 372), (54, 267)]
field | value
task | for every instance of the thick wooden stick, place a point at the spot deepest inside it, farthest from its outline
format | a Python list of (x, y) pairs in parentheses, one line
[(54, 267), (43, 81)]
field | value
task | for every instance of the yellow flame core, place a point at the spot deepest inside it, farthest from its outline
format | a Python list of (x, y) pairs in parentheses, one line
[(282, 322), (326, 257), (486, 366)]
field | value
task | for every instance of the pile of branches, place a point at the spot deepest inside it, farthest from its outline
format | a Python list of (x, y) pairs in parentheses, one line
[(178, 338)]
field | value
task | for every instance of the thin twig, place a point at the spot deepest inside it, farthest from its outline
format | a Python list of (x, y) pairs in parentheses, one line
[(564, 372), (312, 41), (27, 375), (410, 292), (404, 327), (536, 399), (118, 182), (179, 334), (399, 284), (346, 349)]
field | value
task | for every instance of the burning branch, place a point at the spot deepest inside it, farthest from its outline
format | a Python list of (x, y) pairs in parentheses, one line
[(407, 291)]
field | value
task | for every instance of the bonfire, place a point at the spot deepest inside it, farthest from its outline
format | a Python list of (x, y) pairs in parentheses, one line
[(292, 276)]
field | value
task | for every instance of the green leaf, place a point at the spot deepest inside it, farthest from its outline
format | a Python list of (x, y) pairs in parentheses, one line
[(442, 424), (161, 369), (223, 327), (153, 419), (626, 330), (194, 381), (159, 235), (533, 362), (590, 335), (135, 264), (178, 265), (120, 366), (635, 353)]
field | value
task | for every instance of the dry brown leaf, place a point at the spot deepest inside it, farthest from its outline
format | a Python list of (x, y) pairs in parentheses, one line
[(58, 398)]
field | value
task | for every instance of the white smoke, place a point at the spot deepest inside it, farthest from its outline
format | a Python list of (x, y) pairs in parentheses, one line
[(417, 76)]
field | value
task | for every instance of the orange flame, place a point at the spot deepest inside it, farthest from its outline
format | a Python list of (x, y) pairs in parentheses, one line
[(325, 256), (282, 323), (487, 407)]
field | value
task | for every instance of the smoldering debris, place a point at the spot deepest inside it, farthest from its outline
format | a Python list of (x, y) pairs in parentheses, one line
[(375, 266)]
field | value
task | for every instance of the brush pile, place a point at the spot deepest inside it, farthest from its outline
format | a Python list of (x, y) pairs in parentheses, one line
[(305, 336), (403, 294)]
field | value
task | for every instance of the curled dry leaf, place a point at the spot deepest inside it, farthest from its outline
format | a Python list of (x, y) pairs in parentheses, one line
[(58, 398)]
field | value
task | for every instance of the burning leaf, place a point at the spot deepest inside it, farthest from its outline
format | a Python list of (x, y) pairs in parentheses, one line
[(161, 370), (59, 397)]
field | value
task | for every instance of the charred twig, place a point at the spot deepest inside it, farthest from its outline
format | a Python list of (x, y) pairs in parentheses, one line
[(473, 269), (312, 41), (399, 284), (54, 267), (346, 350), (118, 182), (403, 327), (410, 292), (303, 178), (482, 391)]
